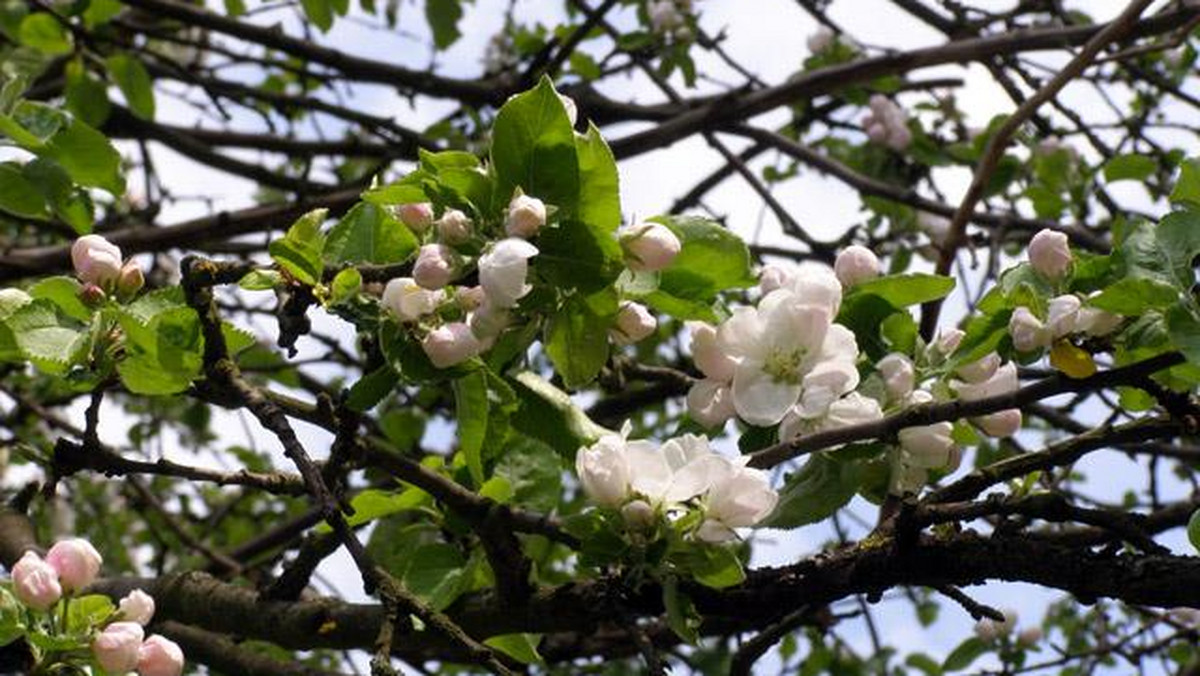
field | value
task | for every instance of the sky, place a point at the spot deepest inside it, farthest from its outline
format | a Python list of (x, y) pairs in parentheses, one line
[(769, 37)]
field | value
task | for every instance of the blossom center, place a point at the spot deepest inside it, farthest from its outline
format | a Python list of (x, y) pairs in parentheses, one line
[(783, 363)]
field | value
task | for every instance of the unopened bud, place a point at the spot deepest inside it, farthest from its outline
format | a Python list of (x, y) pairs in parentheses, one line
[(131, 280)]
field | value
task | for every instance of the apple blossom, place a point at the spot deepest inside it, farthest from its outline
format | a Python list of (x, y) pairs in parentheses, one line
[(981, 369), (526, 215), (469, 297), (664, 16), (35, 582), (852, 409), (604, 470), (898, 375), (76, 561), (710, 402), (131, 280), (786, 348), (418, 216), (1050, 254), (773, 277), (988, 629), (117, 647), (451, 344), (454, 227), (638, 514), (856, 264), (740, 497), (634, 322), (821, 39), (502, 271), (137, 606), (707, 354), (96, 260), (159, 656), (1001, 423), (409, 301), (1029, 636), (1096, 322), (816, 285), (926, 446), (1027, 331), (1062, 315), (887, 124), (649, 247), (488, 320), (1002, 380), (948, 340), (435, 267), (682, 468)]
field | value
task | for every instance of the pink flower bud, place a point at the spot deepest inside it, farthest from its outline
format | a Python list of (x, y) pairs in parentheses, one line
[(503, 270), (435, 266), (898, 375), (526, 215), (131, 280), (418, 216), (856, 264), (160, 656), (948, 341), (117, 647), (1050, 254), (408, 301), (92, 295), (649, 247), (1001, 423), (35, 583), (980, 369), (137, 606), (634, 322), (470, 298), (96, 260), (451, 344), (1027, 331), (76, 561), (1029, 636), (454, 227)]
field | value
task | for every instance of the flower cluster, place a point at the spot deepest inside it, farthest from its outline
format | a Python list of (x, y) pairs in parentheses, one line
[(991, 631), (669, 18), (644, 481), (120, 645), (886, 123), (784, 356), (457, 324), (102, 271)]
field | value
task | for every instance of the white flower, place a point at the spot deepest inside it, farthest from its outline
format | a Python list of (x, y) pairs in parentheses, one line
[(1096, 322), (649, 247), (1002, 381), (887, 124), (926, 446), (488, 320), (821, 39), (1029, 636), (454, 227), (137, 606), (1050, 254), (96, 260), (988, 629), (740, 497), (634, 322), (856, 264), (980, 369), (526, 215), (710, 402), (1062, 316), (1001, 423), (898, 375), (684, 467), (409, 301), (816, 285), (603, 468), (638, 514), (1027, 331), (947, 341), (451, 344), (664, 16), (785, 347), (435, 267), (502, 271), (773, 277), (707, 354), (852, 409)]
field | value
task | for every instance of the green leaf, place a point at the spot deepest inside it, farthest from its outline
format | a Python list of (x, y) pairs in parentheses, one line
[(548, 414), (534, 473), (436, 574), (1187, 186), (64, 293), (712, 259), (443, 17), (320, 12), (681, 614), (1183, 326), (371, 389), (520, 647), (86, 96), (346, 284), (45, 33), (576, 337), (87, 156), (1178, 240), (820, 488), (373, 503), (134, 82), (143, 374), (47, 336), (1133, 296), (1193, 529), (533, 147), (86, 612), (907, 289), (73, 205), (967, 652), (714, 566), (260, 280), (300, 250), (20, 196), (1129, 167), (369, 234), (471, 409)]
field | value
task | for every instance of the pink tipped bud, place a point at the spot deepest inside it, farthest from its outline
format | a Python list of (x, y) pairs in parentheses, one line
[(634, 322), (418, 216), (1001, 423), (1027, 331), (1050, 254), (856, 264), (137, 606), (435, 266), (160, 656), (76, 561), (451, 344), (92, 295), (117, 647), (131, 280), (35, 583), (526, 215), (650, 247), (454, 227), (96, 260)]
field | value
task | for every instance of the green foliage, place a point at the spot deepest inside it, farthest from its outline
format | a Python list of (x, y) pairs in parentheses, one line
[(574, 336), (821, 487), (712, 260), (547, 413), (369, 234), (301, 251), (1129, 167), (134, 82)]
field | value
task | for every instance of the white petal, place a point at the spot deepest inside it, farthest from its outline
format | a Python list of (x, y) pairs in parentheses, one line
[(760, 399)]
